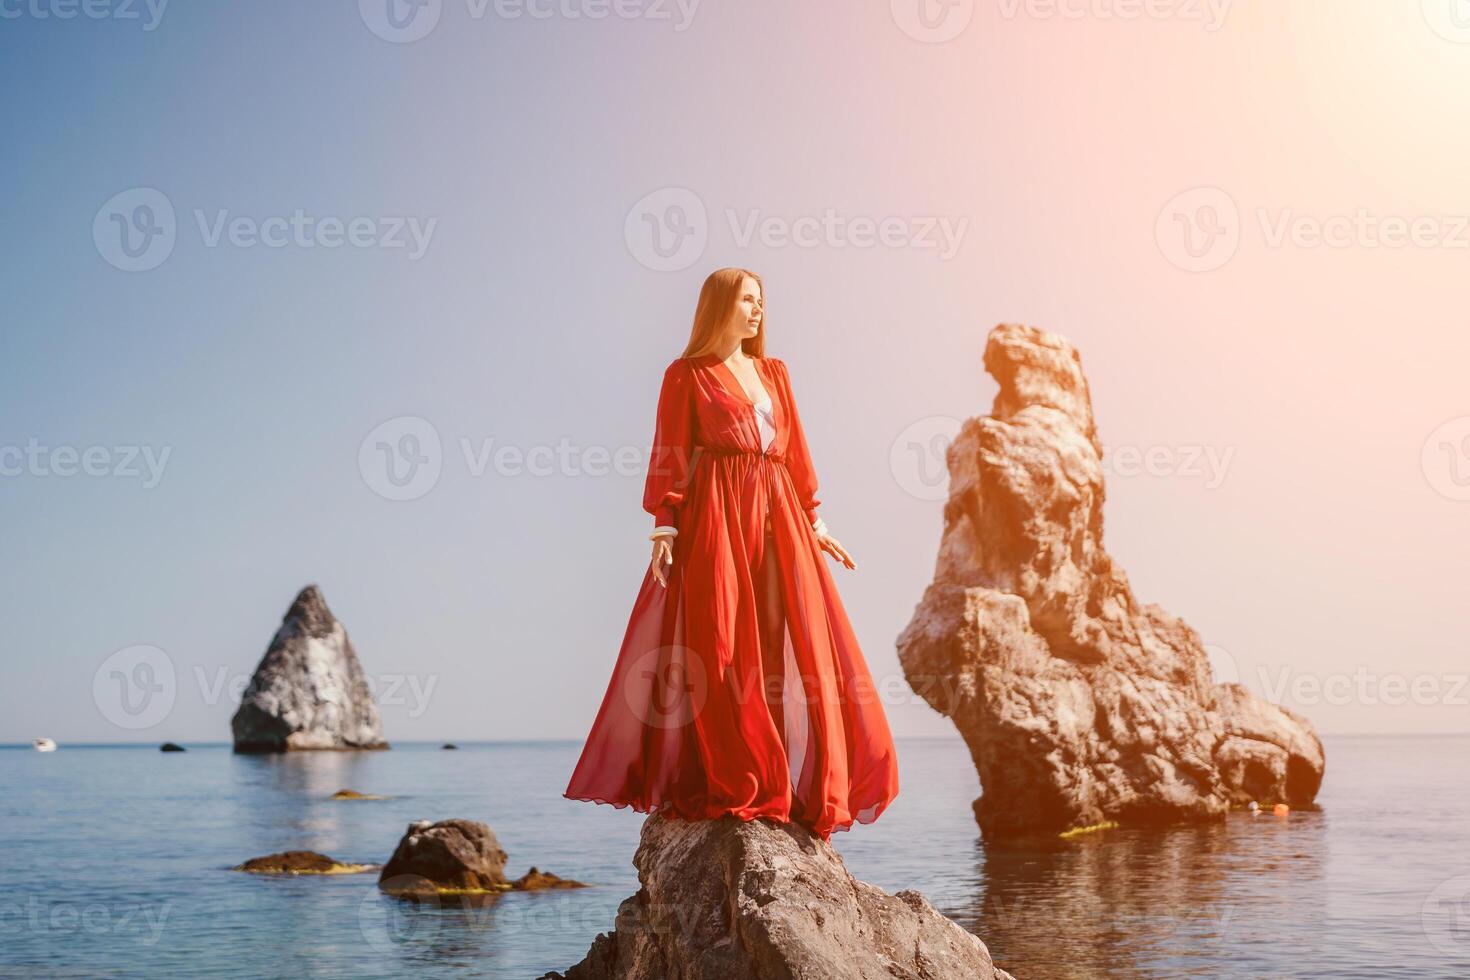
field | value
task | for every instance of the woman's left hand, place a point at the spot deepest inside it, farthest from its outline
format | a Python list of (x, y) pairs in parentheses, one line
[(834, 548)]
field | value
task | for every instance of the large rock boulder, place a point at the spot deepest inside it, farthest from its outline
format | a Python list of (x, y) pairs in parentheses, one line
[(309, 691), (728, 899), (1079, 705)]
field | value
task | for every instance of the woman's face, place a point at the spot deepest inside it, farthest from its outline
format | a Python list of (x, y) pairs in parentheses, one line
[(745, 319)]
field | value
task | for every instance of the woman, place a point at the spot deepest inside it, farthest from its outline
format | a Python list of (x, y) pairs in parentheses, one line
[(740, 687)]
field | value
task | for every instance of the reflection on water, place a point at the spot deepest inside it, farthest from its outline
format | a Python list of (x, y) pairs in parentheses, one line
[(1126, 903)]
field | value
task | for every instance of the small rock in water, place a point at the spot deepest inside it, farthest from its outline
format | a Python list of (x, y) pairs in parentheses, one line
[(535, 880), (448, 856), (456, 857), (171, 747), (300, 863)]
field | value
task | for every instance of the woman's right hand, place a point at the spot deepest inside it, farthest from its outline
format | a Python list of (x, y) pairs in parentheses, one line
[(663, 556)]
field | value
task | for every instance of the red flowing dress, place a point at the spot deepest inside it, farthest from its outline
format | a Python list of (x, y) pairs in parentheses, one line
[(723, 700)]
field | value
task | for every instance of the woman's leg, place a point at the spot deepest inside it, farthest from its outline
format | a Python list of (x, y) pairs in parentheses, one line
[(772, 629)]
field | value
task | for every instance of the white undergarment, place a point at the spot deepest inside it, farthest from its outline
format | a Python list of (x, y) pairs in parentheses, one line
[(765, 417)]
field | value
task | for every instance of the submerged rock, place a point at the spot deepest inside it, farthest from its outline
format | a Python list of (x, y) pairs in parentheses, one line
[(1080, 706), (301, 863), (728, 899), (309, 691), (171, 747), (352, 794), (537, 880)]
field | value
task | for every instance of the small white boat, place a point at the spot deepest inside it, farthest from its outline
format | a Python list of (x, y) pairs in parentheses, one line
[(43, 745)]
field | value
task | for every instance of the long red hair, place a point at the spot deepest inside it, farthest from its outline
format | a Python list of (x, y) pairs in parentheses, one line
[(717, 299)]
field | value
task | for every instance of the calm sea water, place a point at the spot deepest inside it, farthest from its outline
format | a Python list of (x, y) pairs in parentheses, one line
[(113, 863)]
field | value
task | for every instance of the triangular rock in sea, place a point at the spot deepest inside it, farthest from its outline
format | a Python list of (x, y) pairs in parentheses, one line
[(309, 691)]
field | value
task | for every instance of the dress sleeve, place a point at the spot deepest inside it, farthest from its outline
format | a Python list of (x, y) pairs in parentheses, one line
[(798, 456), (671, 459)]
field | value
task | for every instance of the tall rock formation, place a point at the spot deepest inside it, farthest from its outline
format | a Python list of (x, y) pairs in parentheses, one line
[(309, 691), (1079, 705)]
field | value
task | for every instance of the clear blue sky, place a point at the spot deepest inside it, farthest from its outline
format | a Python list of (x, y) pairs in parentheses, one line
[(529, 314)]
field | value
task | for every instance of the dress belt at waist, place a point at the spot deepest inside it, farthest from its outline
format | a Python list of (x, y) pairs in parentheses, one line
[(712, 451)]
